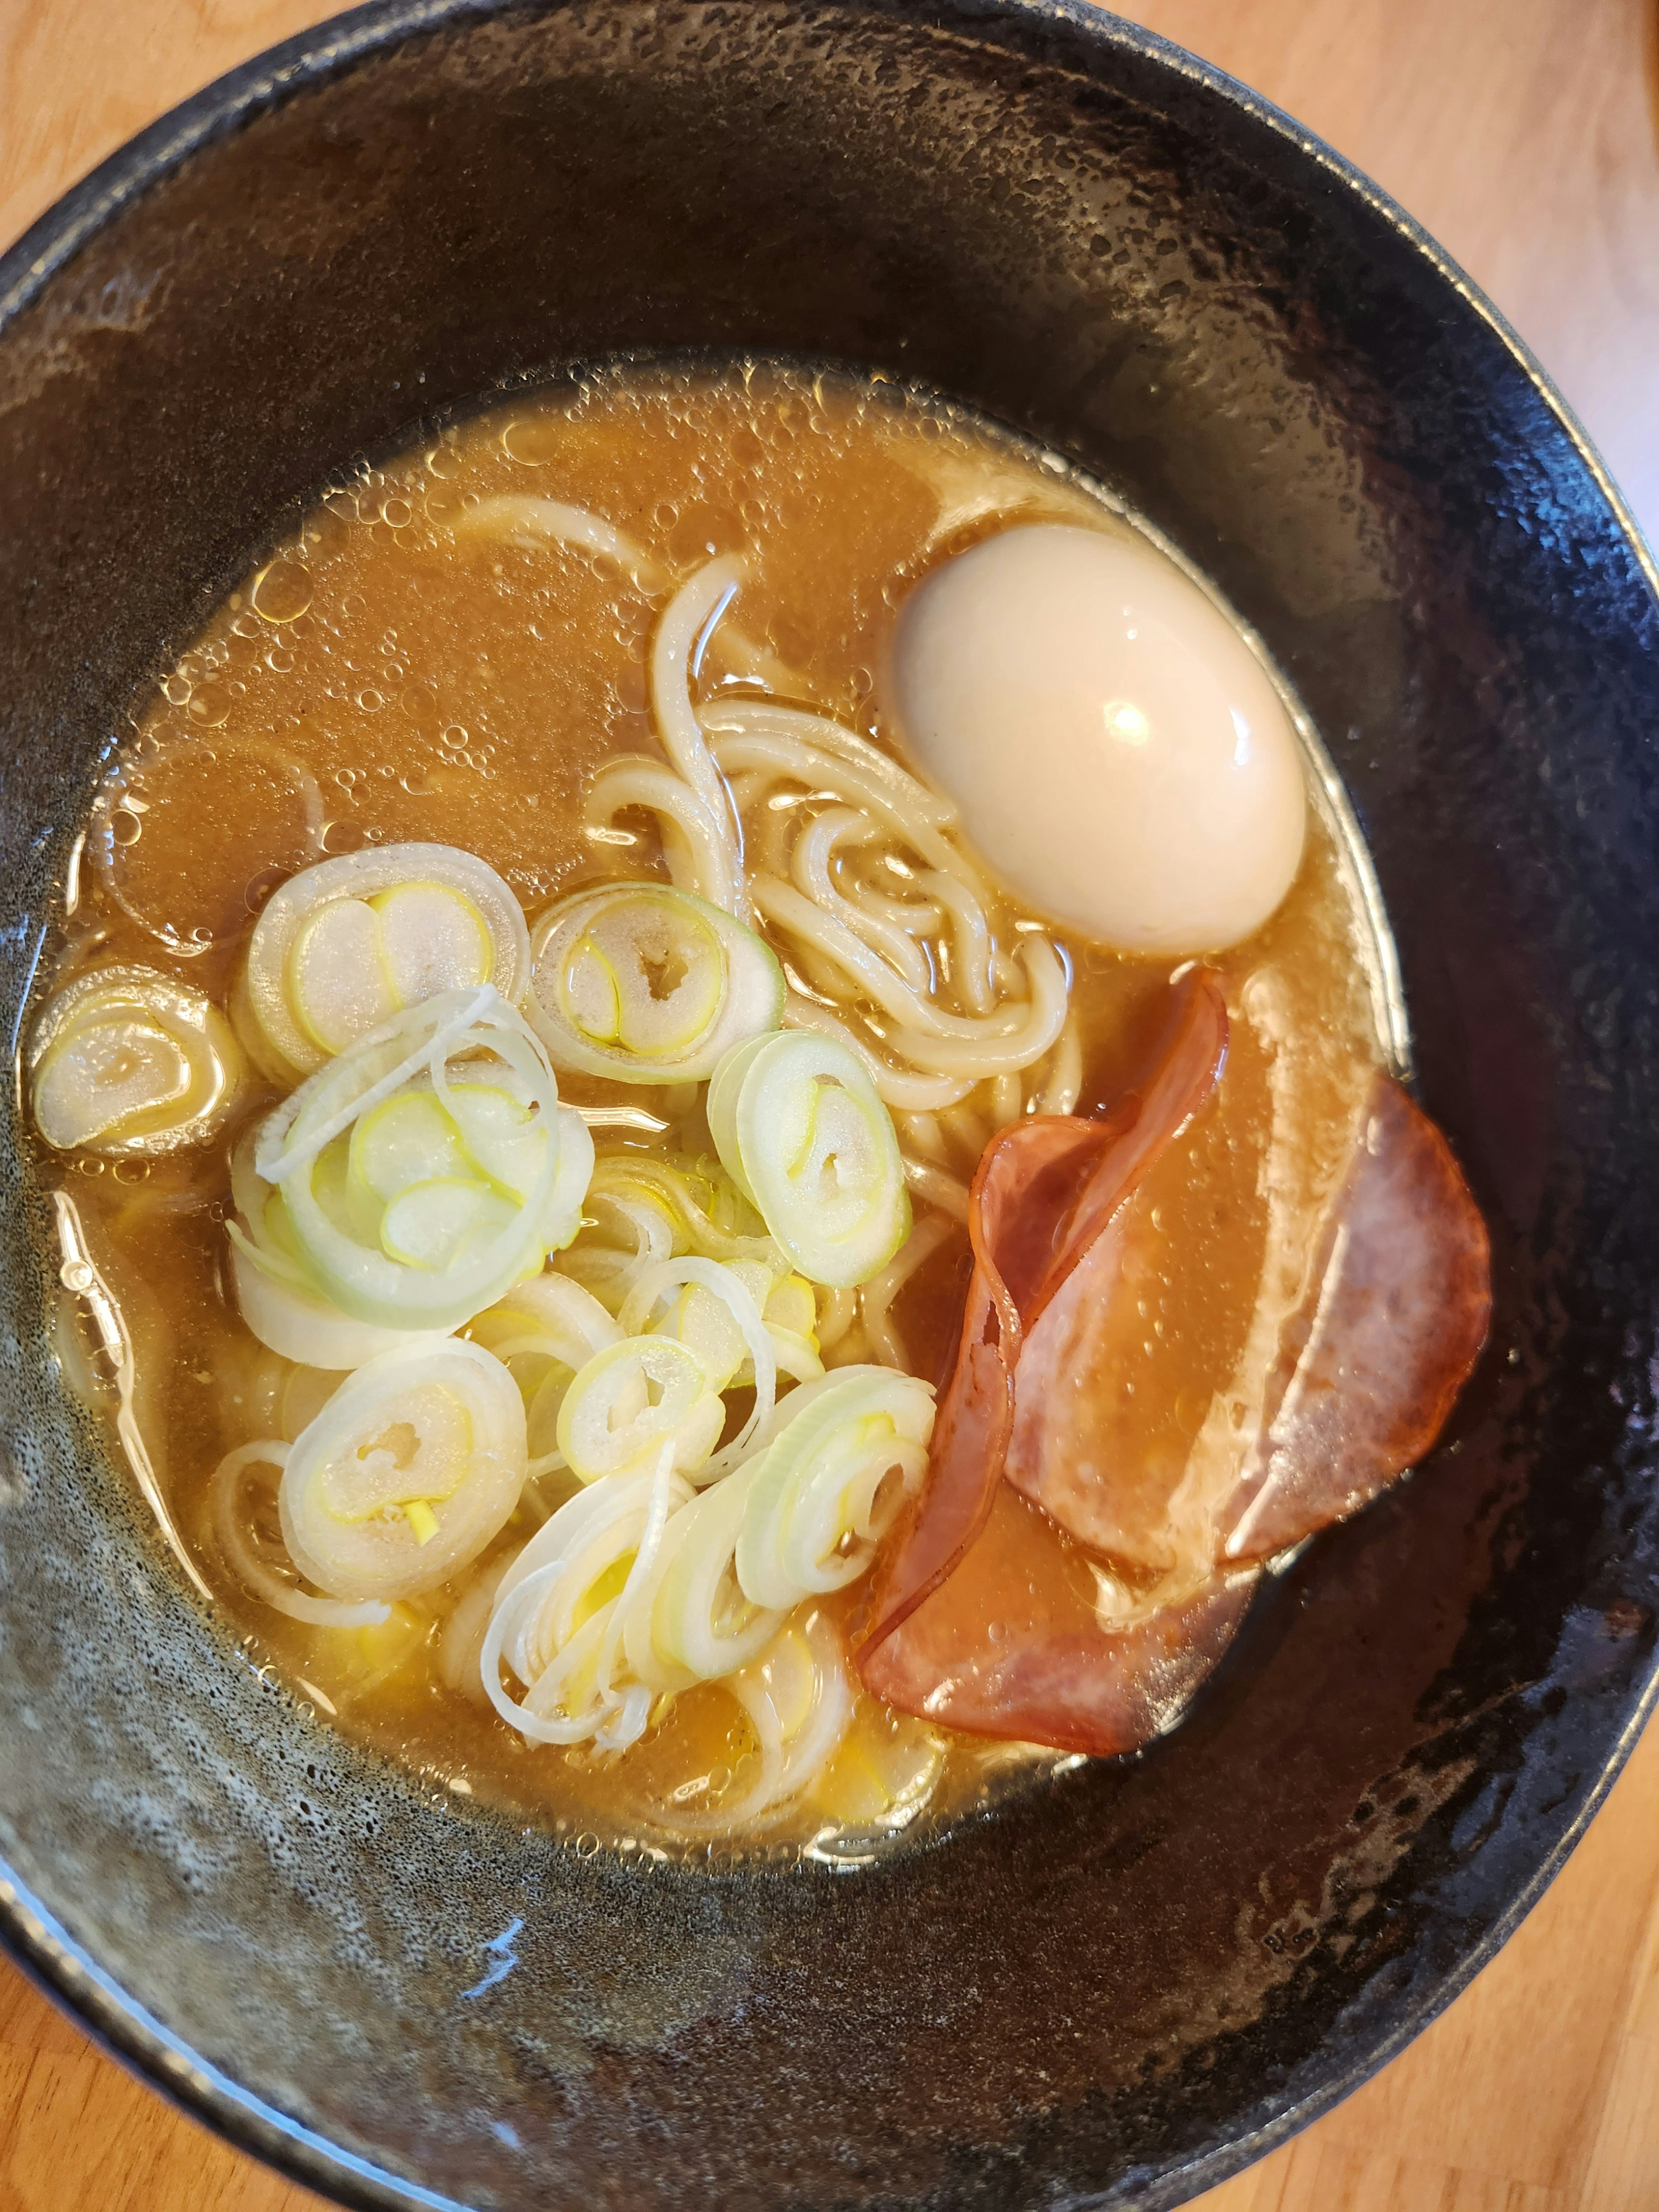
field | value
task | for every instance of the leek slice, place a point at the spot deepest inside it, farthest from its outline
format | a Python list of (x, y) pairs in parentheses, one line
[(286, 1315), (645, 983), (642, 1208), (126, 1060), (799, 1703), (632, 1398), (410, 1468), (725, 1286), (692, 1620), (830, 1484), (262, 1574), (545, 1330), (344, 946), (799, 1125), (561, 1605), (421, 1173)]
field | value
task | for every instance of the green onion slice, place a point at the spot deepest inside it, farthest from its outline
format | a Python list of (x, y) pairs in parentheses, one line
[(829, 1486), (409, 1469), (344, 946), (646, 984), (630, 1399), (127, 1061), (798, 1125), (415, 1177)]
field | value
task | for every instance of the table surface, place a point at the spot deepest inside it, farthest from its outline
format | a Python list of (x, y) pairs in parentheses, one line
[(1525, 135)]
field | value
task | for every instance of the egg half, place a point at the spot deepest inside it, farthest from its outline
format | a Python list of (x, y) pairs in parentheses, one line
[(1118, 753)]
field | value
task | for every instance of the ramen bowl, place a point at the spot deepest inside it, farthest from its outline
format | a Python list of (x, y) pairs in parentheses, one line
[(1126, 1983)]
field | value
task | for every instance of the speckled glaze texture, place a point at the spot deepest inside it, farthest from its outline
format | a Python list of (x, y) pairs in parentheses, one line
[(1117, 1990)]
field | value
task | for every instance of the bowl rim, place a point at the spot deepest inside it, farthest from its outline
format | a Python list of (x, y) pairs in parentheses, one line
[(49, 1956)]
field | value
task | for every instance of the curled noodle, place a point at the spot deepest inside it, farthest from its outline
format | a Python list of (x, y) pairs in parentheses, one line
[(892, 940)]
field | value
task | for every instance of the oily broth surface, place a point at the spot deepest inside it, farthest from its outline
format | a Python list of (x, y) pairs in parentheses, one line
[(385, 679)]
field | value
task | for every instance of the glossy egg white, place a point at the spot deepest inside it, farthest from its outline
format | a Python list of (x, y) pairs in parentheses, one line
[(1118, 753)]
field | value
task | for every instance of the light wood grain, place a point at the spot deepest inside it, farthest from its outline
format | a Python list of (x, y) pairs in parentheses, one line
[(1522, 134)]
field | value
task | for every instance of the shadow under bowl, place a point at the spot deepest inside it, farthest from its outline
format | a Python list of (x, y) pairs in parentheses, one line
[(1123, 1987)]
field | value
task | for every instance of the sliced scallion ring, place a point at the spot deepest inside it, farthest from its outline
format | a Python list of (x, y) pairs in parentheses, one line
[(726, 1288), (126, 1060), (560, 1610), (827, 1487), (421, 1173), (629, 1399), (410, 1468), (799, 1125), (692, 1621), (546, 1330), (646, 984), (343, 946)]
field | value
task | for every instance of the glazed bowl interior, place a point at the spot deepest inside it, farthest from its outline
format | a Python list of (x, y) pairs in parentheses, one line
[(1119, 1988)]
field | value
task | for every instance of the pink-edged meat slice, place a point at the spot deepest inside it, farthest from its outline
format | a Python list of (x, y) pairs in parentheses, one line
[(984, 1615), (1367, 1372), (1014, 1644), (1044, 1190)]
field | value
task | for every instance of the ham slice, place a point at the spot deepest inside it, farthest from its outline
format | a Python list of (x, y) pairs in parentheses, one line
[(985, 1616), (1369, 1370), (989, 1615), (1044, 1191), (1013, 1644)]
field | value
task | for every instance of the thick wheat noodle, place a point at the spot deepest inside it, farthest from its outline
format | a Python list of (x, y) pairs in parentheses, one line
[(880, 1292), (1007, 1099), (890, 925), (767, 828), (699, 858), (765, 718), (806, 921), (812, 864), (746, 789), (529, 519), (923, 1134), (837, 1311), (966, 1129), (1045, 1017), (854, 786), (971, 935), (936, 1186), (916, 917), (697, 602), (895, 1086), (924, 1037), (1063, 1083)]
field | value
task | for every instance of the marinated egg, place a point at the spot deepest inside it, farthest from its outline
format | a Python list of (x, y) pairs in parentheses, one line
[(1119, 754)]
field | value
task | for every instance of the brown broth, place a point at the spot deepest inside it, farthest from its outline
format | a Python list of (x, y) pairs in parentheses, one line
[(383, 680)]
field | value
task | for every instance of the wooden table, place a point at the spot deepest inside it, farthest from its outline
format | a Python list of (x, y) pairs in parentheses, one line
[(1522, 132)]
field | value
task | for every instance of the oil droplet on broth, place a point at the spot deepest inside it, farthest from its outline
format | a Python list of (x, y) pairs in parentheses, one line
[(520, 668), (283, 592)]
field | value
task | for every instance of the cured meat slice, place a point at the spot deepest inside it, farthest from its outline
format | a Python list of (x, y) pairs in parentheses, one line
[(991, 1617), (1082, 1442), (1014, 1644), (1369, 1370), (1045, 1190), (985, 1616), (1027, 1182)]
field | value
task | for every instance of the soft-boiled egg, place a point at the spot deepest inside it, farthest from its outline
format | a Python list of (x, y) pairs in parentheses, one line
[(1118, 753)]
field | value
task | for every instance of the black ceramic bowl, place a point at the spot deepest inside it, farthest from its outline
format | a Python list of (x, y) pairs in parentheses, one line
[(1123, 1988)]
